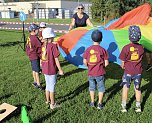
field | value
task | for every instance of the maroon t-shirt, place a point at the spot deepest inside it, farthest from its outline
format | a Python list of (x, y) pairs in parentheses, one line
[(33, 47), (40, 33), (96, 56), (132, 55), (49, 53)]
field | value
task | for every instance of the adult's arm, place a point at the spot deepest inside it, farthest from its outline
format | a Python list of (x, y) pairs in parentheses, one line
[(89, 22), (72, 24)]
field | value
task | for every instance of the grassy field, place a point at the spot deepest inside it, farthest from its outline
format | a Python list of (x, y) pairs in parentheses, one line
[(71, 91), (64, 21)]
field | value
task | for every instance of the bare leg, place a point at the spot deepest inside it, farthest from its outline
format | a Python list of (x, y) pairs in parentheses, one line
[(138, 95), (100, 94), (125, 93), (138, 99), (37, 78), (92, 94), (34, 76), (47, 94), (52, 97)]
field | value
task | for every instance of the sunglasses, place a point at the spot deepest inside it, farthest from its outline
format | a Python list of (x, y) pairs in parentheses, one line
[(80, 8)]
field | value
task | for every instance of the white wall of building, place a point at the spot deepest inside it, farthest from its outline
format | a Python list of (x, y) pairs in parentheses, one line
[(27, 7)]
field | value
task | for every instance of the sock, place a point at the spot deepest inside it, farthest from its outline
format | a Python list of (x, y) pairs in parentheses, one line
[(123, 103), (137, 104)]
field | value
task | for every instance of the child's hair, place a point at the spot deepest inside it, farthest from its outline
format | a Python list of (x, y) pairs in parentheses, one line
[(96, 36), (134, 33), (33, 27), (47, 34)]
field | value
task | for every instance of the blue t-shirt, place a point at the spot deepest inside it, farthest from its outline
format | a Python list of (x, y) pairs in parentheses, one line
[(80, 22)]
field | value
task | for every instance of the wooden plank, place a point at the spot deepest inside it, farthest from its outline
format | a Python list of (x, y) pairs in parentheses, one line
[(7, 109)]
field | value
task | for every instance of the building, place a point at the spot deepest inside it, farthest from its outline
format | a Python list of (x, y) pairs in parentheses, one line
[(44, 9)]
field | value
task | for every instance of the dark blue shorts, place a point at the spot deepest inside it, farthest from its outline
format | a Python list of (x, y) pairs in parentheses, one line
[(35, 65), (127, 78)]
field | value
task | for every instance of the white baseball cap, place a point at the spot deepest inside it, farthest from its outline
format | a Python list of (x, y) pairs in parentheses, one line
[(42, 24), (48, 33)]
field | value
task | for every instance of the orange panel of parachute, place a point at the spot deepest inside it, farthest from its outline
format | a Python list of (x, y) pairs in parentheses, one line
[(68, 41), (139, 15)]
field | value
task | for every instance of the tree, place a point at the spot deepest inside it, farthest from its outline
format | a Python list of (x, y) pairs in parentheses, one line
[(112, 9), (97, 9)]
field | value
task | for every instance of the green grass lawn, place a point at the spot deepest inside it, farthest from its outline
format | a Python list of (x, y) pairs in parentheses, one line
[(71, 91), (63, 21)]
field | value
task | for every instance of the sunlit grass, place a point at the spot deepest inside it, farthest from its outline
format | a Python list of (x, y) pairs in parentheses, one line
[(71, 91)]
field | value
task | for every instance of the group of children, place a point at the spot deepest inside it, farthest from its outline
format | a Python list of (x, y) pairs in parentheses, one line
[(41, 49), (95, 58)]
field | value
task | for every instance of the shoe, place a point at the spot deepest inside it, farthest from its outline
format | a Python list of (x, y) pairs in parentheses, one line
[(149, 67), (123, 109), (138, 109), (54, 106), (47, 102), (40, 71), (91, 104), (35, 84), (100, 106), (40, 87)]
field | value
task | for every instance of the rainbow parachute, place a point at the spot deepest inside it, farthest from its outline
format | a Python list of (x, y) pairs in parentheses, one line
[(115, 35)]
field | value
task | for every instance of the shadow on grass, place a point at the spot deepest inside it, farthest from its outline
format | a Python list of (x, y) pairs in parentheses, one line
[(70, 73), (17, 112), (8, 44), (147, 88), (113, 90), (74, 93), (64, 63), (40, 120), (114, 71), (6, 96)]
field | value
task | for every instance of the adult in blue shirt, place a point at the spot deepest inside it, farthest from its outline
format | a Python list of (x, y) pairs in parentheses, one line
[(80, 19)]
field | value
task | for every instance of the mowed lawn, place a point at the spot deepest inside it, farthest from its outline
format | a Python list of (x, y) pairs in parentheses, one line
[(71, 91)]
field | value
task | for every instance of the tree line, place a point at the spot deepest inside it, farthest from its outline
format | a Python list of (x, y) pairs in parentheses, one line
[(111, 9)]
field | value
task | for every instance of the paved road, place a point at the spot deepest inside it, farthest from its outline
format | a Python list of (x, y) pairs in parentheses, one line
[(18, 26)]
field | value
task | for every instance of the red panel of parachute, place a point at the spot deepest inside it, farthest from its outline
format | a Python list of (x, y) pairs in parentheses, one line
[(139, 15), (69, 40)]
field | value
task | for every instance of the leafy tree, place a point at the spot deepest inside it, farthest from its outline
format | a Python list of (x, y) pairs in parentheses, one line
[(97, 9), (112, 9)]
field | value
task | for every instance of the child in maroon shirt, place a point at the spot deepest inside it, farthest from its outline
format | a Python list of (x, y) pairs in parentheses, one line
[(42, 27), (131, 56), (96, 59), (33, 50), (50, 65)]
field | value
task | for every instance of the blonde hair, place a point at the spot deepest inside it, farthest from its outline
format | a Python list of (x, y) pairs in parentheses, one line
[(81, 5)]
